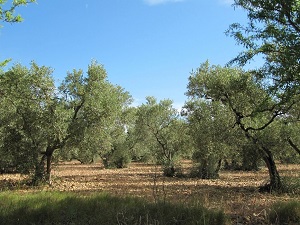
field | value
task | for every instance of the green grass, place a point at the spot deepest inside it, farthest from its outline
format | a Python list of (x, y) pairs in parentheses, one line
[(66, 208), (285, 213)]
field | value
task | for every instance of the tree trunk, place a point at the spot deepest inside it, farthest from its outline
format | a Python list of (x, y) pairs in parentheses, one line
[(275, 181), (49, 154), (218, 166), (39, 172), (48, 171), (294, 146), (42, 171)]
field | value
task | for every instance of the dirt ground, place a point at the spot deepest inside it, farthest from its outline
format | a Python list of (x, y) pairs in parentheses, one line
[(234, 192)]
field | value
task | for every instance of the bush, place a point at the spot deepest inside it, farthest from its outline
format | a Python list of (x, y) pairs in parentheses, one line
[(285, 213), (65, 208)]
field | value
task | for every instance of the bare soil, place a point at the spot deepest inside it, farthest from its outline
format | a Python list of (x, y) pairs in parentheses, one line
[(235, 192)]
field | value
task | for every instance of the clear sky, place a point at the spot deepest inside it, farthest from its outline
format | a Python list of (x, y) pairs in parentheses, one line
[(149, 47)]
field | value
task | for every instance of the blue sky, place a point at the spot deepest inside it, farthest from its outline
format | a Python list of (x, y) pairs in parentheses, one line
[(149, 47)]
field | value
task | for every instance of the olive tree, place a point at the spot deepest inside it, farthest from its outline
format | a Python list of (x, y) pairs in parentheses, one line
[(273, 34), (210, 126), (247, 101), (120, 151), (163, 132), (42, 119), (27, 103)]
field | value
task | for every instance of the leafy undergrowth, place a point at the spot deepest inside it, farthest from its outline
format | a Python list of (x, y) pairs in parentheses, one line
[(65, 208), (235, 192)]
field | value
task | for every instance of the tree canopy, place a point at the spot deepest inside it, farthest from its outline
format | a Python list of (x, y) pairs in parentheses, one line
[(273, 33)]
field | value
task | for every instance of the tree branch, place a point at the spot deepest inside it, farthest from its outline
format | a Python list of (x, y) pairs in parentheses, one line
[(294, 146), (287, 12)]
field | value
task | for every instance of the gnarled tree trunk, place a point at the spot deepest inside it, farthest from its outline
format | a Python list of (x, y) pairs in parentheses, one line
[(43, 168), (275, 181)]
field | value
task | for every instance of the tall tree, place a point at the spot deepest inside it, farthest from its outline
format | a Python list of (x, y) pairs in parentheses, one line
[(246, 99), (273, 33), (26, 104)]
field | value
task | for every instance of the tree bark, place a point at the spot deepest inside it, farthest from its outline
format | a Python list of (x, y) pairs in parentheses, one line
[(48, 171), (293, 145), (49, 154), (42, 171), (39, 171), (275, 181), (218, 166)]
